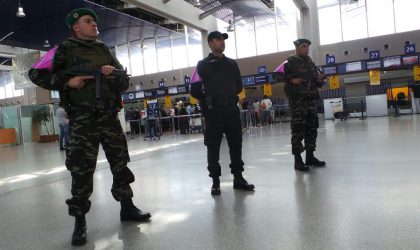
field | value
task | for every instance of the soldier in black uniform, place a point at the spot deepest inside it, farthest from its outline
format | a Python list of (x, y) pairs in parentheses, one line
[(216, 82), (302, 82)]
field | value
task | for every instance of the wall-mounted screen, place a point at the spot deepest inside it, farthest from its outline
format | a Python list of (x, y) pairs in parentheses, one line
[(373, 65), (261, 79), (148, 94), (330, 70), (248, 81), (172, 90), (394, 61), (55, 94), (181, 89), (408, 60), (161, 92), (353, 66), (139, 94)]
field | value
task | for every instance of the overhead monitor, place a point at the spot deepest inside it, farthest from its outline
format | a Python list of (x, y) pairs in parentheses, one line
[(161, 92), (373, 64), (148, 94), (261, 79), (139, 94), (393, 61), (172, 90), (330, 70), (353, 66), (55, 94), (181, 89), (409, 60), (248, 81)]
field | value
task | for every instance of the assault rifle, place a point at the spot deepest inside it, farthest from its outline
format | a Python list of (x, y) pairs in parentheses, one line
[(97, 75)]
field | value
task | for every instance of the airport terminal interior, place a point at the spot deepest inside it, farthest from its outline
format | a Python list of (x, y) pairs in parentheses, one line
[(366, 197)]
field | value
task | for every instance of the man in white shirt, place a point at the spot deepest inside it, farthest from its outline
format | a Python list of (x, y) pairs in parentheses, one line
[(64, 127)]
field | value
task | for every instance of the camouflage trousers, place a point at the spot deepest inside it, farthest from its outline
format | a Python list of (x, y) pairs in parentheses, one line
[(304, 124), (88, 130)]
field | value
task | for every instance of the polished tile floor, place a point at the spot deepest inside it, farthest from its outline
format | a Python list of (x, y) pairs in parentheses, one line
[(368, 196)]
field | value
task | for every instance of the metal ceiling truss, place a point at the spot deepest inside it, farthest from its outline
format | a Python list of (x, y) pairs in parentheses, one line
[(234, 9)]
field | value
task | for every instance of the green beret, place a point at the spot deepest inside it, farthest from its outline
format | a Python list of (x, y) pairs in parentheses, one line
[(75, 14), (300, 41)]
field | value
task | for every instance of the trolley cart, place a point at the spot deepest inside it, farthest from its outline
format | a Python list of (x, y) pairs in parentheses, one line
[(338, 111), (153, 129), (195, 124)]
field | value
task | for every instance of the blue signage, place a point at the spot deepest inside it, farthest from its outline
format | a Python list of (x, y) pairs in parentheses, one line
[(262, 70), (330, 59), (374, 54), (161, 84), (260, 79), (187, 80), (248, 81), (410, 48)]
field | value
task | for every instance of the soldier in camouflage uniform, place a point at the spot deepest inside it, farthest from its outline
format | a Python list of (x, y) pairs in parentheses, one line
[(93, 120), (302, 83)]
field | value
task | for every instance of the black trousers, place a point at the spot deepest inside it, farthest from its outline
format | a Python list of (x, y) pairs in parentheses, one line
[(225, 120)]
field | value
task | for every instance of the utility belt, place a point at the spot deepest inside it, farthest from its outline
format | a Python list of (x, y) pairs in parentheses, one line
[(94, 106), (212, 102), (303, 98)]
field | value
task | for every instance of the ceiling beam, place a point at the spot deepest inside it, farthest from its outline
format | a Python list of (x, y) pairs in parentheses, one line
[(215, 9)]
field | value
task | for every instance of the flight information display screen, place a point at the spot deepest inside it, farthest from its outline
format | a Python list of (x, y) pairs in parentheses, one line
[(248, 81), (148, 94), (353, 66), (330, 70), (394, 61), (139, 94), (373, 64), (172, 90), (181, 89), (408, 60), (161, 92)]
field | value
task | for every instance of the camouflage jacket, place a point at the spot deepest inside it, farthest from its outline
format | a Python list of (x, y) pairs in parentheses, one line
[(74, 54), (303, 68)]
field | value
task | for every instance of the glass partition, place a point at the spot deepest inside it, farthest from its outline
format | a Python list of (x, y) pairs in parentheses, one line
[(265, 33), (195, 48), (150, 56), (179, 52), (164, 55), (136, 58), (245, 35), (11, 119)]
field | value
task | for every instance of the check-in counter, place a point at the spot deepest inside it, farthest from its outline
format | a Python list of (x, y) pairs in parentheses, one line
[(7, 136)]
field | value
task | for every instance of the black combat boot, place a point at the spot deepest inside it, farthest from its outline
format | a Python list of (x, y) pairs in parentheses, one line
[(240, 183), (299, 165), (312, 160), (129, 212), (79, 234), (215, 188)]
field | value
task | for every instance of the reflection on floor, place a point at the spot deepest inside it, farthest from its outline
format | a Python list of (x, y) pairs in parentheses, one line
[(366, 198)]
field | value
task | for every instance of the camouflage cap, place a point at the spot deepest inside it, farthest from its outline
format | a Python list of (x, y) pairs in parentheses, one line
[(300, 41), (77, 13)]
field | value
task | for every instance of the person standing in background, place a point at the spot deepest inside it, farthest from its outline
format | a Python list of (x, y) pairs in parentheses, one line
[(302, 83), (93, 119), (216, 83), (63, 123)]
